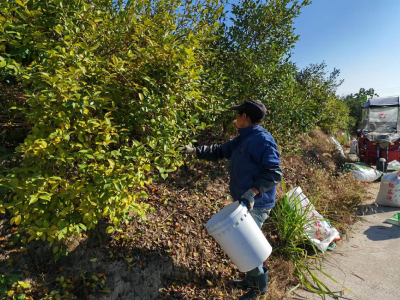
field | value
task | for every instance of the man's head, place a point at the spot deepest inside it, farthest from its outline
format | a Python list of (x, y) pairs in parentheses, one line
[(249, 113)]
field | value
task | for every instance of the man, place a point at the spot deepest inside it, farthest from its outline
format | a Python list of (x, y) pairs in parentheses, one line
[(254, 173)]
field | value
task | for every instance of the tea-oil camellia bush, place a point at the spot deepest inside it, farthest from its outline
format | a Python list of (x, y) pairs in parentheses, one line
[(112, 90)]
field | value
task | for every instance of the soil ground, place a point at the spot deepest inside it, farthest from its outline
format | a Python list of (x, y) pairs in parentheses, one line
[(172, 256), (365, 262)]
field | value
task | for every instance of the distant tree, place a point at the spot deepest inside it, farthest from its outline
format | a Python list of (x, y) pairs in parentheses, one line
[(318, 88), (355, 102)]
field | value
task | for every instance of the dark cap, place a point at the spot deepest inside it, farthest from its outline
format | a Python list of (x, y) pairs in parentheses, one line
[(254, 109)]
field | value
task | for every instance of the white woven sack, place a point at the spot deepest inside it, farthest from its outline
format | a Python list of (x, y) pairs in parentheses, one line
[(338, 146), (389, 191), (366, 174), (394, 165), (318, 230)]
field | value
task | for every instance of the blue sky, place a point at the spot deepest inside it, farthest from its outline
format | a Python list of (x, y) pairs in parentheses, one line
[(359, 37)]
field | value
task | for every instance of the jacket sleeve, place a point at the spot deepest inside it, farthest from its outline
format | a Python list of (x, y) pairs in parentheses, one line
[(268, 157), (270, 177), (215, 152)]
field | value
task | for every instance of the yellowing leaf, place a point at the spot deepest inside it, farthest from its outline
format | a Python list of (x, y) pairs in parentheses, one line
[(110, 229), (34, 198), (112, 163), (58, 28), (45, 197), (105, 212), (17, 220), (86, 218), (93, 260), (24, 285), (20, 3)]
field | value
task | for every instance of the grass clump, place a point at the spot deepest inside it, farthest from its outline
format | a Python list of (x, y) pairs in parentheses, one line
[(290, 225)]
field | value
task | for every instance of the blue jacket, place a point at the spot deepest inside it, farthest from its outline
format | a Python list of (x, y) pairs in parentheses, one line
[(255, 163)]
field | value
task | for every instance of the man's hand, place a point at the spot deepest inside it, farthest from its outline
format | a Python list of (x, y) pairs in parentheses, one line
[(189, 150), (248, 199)]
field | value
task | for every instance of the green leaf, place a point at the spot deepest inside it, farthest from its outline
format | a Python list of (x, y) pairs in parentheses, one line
[(93, 259), (82, 166), (22, 296), (34, 198), (45, 197), (86, 218), (58, 28), (117, 186), (3, 64), (110, 229)]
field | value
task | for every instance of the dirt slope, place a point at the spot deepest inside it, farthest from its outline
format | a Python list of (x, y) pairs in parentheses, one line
[(171, 256)]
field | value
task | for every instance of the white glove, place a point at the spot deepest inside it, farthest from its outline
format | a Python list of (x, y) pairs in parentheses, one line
[(189, 150)]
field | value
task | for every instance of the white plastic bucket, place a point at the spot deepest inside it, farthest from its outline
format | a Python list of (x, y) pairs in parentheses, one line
[(238, 234)]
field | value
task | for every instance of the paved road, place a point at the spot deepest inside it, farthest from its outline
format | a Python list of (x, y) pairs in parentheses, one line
[(368, 261)]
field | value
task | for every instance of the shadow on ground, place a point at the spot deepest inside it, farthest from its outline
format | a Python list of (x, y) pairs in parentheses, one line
[(381, 233), (372, 209)]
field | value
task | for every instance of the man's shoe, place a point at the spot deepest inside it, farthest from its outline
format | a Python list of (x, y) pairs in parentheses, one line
[(261, 282), (244, 284), (253, 294)]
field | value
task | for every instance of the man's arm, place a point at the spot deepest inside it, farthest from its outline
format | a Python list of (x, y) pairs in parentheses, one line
[(270, 177), (215, 152), (267, 154)]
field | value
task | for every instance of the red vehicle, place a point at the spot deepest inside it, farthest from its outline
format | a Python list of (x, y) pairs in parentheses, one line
[(379, 136)]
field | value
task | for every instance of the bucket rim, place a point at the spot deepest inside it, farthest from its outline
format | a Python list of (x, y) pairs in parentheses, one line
[(223, 223)]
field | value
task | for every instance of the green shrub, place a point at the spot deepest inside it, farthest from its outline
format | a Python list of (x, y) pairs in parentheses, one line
[(112, 90)]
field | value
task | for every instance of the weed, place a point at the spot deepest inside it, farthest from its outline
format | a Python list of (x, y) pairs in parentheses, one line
[(12, 288), (293, 244), (342, 139)]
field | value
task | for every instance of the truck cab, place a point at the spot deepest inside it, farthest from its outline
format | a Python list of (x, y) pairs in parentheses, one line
[(379, 135)]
